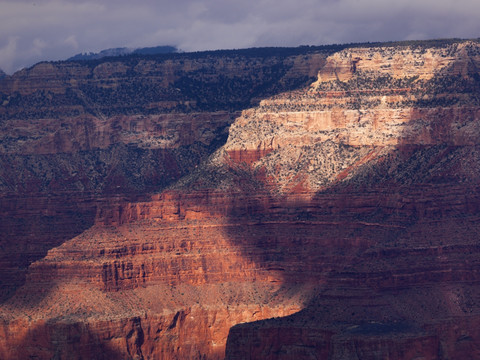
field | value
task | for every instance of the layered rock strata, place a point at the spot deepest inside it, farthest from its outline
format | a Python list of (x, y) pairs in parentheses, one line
[(390, 138), (346, 211), (75, 135)]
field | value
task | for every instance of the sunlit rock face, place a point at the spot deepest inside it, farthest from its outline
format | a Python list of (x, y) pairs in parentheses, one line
[(383, 148), (321, 203), (83, 147), (76, 134)]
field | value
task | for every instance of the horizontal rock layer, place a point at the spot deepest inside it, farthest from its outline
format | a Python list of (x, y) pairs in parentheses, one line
[(74, 135), (345, 207)]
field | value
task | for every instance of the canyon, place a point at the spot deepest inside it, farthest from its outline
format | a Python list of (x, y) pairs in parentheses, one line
[(315, 202)]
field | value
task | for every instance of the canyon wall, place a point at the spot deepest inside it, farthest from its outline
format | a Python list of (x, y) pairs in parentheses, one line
[(338, 220), (76, 134), (384, 140), (82, 140)]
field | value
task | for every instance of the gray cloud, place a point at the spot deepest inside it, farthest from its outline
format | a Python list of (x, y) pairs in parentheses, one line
[(31, 31)]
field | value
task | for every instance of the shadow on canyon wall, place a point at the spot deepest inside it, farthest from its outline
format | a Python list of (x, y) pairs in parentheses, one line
[(52, 206), (429, 175), (63, 340), (31, 227), (49, 199), (352, 237), (386, 248)]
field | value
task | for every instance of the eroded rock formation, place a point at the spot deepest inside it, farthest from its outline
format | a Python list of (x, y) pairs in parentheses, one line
[(82, 140), (343, 208)]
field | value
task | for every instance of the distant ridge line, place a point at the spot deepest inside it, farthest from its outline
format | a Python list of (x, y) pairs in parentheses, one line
[(164, 49)]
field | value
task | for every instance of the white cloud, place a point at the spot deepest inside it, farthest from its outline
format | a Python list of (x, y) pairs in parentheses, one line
[(8, 53), (71, 41), (38, 46)]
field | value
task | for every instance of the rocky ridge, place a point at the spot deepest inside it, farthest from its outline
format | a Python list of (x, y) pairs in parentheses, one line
[(81, 138), (346, 208), (369, 154), (80, 133)]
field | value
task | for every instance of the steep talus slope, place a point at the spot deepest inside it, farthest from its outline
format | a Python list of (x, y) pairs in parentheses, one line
[(345, 208)]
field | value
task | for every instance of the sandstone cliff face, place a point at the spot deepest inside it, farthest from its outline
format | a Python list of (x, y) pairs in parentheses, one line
[(367, 118), (389, 143), (345, 208), (78, 140), (74, 135)]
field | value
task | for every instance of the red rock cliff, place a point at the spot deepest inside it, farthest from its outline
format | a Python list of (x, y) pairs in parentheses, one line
[(83, 144), (345, 212)]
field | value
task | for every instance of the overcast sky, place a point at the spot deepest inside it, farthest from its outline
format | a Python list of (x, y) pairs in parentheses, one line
[(35, 30)]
